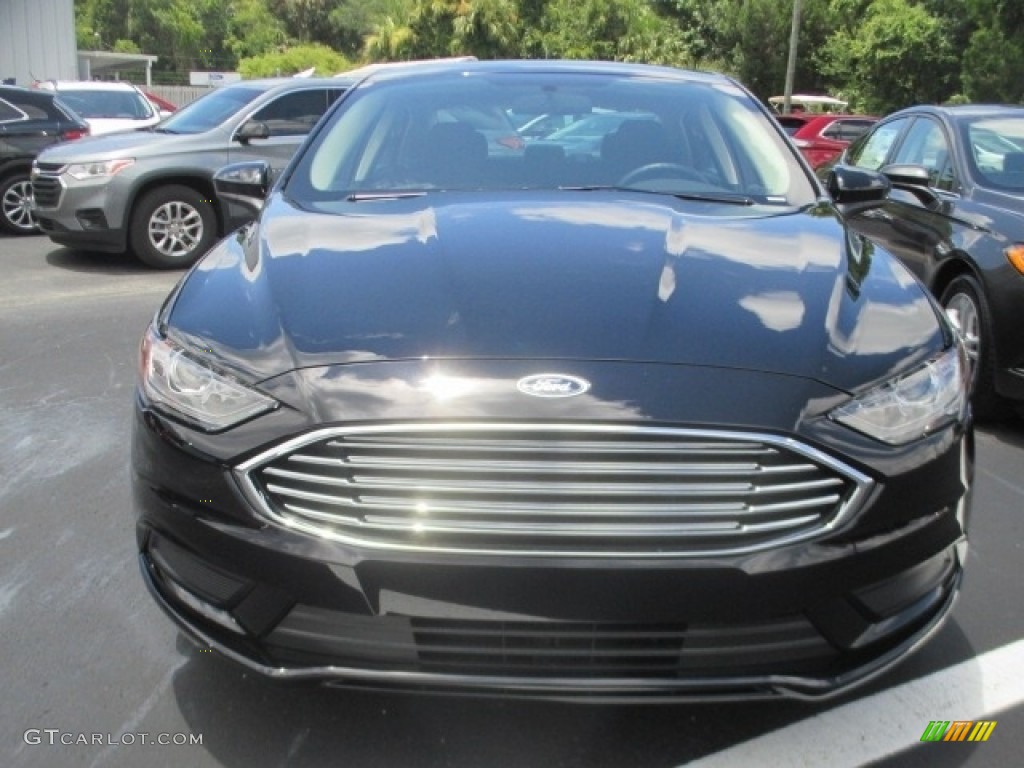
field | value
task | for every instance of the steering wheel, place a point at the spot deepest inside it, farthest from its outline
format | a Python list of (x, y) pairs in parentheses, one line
[(654, 170)]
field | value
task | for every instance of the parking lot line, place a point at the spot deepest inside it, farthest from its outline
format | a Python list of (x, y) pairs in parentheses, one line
[(888, 722)]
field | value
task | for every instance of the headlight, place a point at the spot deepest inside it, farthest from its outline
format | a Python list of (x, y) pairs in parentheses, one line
[(911, 405), (183, 386), (83, 171)]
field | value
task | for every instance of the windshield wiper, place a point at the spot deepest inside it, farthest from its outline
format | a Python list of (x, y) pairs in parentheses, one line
[(703, 197), (360, 197)]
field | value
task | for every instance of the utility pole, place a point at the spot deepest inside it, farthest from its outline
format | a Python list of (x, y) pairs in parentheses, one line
[(794, 39)]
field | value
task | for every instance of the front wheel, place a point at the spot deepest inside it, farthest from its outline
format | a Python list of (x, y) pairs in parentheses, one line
[(172, 227), (16, 205), (968, 311)]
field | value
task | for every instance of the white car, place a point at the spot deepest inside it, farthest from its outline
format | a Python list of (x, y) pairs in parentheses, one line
[(108, 107)]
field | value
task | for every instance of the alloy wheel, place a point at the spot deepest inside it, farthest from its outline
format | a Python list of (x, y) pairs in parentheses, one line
[(175, 229), (17, 206)]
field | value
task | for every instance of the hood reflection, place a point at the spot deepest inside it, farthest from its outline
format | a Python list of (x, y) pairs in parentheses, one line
[(568, 277)]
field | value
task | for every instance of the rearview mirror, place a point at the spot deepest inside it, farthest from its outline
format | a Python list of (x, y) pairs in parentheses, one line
[(847, 184), (914, 179), (245, 184), (252, 129)]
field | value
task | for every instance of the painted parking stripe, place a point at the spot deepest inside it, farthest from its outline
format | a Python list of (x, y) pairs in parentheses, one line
[(888, 722)]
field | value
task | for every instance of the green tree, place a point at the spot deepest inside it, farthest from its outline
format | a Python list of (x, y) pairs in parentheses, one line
[(993, 63), (608, 30), (895, 55), (294, 60), (252, 29)]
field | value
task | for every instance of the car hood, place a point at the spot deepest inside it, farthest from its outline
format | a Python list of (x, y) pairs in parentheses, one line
[(101, 126), (598, 276), (113, 145)]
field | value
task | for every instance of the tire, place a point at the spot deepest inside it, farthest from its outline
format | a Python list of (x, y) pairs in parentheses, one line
[(968, 310), (172, 226), (15, 205)]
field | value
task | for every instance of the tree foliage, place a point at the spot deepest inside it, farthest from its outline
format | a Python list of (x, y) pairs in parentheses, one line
[(879, 54), (295, 59)]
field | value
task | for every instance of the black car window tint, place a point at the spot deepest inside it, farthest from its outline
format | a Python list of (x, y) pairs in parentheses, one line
[(834, 131), (9, 113), (846, 130), (873, 151), (294, 114), (926, 145), (30, 109)]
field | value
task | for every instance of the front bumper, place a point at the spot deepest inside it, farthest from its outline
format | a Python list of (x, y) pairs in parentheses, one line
[(83, 214), (807, 619)]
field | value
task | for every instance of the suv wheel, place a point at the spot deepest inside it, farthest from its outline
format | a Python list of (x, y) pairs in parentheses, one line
[(172, 227), (16, 205)]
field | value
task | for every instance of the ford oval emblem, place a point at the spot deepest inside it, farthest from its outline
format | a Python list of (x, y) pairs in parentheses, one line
[(552, 385)]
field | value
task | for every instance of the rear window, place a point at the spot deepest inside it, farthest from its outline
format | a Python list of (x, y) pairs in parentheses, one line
[(9, 113), (790, 124), (99, 104)]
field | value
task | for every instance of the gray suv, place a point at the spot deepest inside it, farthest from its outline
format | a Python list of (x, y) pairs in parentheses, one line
[(151, 191)]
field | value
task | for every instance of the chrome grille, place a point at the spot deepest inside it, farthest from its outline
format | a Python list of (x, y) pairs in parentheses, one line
[(46, 191), (547, 489)]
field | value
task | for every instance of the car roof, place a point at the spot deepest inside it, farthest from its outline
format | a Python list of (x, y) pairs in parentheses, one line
[(283, 83), (87, 85), (21, 91), (963, 110), (532, 66)]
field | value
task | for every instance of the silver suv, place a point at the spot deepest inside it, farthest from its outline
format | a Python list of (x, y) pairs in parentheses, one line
[(151, 191)]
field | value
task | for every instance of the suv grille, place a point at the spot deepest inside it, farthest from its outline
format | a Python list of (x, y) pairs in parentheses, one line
[(553, 489), (46, 190)]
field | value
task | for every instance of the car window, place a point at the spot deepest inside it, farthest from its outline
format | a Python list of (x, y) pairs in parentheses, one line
[(210, 110), (926, 145), (99, 104), (28, 108), (996, 150), (846, 130), (872, 152), (8, 112), (295, 114), (657, 136), (790, 124)]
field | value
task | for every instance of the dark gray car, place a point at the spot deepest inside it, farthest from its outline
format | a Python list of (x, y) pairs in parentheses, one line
[(151, 191)]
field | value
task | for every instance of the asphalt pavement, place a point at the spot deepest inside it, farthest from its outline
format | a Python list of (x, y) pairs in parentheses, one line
[(93, 674)]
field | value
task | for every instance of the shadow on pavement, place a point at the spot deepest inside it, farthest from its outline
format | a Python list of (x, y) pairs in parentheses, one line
[(96, 262)]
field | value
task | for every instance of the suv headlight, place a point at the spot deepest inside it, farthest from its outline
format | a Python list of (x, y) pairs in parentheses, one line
[(175, 382), (100, 170), (913, 404)]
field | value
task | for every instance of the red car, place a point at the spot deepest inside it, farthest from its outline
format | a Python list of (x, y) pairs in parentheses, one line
[(822, 138), (162, 105)]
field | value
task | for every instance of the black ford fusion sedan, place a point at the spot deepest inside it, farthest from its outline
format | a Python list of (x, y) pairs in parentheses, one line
[(955, 217), (649, 423)]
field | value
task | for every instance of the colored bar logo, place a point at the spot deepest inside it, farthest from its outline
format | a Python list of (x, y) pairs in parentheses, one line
[(958, 730)]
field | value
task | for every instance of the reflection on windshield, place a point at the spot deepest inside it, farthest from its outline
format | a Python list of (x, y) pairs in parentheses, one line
[(683, 138)]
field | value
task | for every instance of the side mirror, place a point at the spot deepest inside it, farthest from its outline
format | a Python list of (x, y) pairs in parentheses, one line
[(913, 178), (252, 129), (847, 184), (245, 184)]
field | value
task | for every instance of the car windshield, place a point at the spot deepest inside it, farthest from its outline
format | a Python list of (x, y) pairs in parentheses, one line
[(670, 136), (101, 104), (210, 110), (997, 150)]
